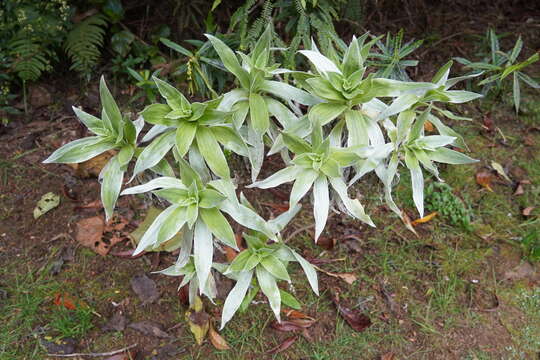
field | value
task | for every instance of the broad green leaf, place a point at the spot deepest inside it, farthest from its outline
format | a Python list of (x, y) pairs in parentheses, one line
[(417, 181), (324, 113), (188, 174), (93, 124), (230, 139), (219, 226), (296, 144), (434, 141), (172, 225), (289, 300), (80, 150), (235, 297), (303, 182), (269, 287), (209, 198), (230, 61), (447, 156), (321, 204), (174, 98), (258, 113), (358, 135), (239, 261), (203, 251), (185, 133), (353, 206), (150, 236), (275, 267), (289, 92), (155, 114), (321, 62), (153, 153), (125, 155), (110, 106), (211, 152), (111, 177), (282, 176), (175, 196)]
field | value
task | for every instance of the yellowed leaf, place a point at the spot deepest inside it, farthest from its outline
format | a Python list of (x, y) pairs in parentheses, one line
[(349, 278), (216, 339), (198, 320), (425, 219)]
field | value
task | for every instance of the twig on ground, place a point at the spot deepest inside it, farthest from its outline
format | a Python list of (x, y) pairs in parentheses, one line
[(95, 354)]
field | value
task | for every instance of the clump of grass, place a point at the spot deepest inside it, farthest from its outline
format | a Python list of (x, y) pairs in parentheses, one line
[(68, 323), (440, 198)]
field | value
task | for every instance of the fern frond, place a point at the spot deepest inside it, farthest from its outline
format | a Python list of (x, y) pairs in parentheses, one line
[(29, 61), (83, 43)]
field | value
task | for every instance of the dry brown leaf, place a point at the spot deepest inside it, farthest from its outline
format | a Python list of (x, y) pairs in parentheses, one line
[(407, 221), (216, 339), (356, 319), (425, 219), (484, 178), (347, 277), (198, 320), (428, 127), (388, 356), (283, 346), (295, 314), (527, 211), (90, 234)]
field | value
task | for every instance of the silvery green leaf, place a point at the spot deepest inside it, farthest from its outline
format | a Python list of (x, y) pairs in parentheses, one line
[(111, 177), (203, 250), (447, 156), (282, 113), (185, 247), (296, 144), (289, 92), (150, 236), (174, 98), (193, 289), (110, 106), (154, 131), (185, 133), (445, 130), (282, 176), (246, 217), (461, 96), (528, 80), (336, 134), (321, 204), (258, 113), (219, 226), (239, 113), (175, 270), (354, 208), (400, 104), (324, 113), (417, 180), (441, 76), (387, 176), (303, 182), (453, 81), (404, 123), (125, 155), (93, 124), (358, 135), (516, 92), (198, 166), (164, 182), (275, 267), (256, 152), (269, 287), (154, 152), (235, 297), (156, 113), (230, 139), (163, 168), (309, 270), (170, 227), (393, 88), (231, 98), (373, 107), (426, 162), (321, 62), (230, 61), (211, 152), (434, 141), (139, 125), (80, 150)]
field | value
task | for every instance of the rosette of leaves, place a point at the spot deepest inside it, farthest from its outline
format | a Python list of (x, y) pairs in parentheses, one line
[(254, 101), (112, 132), (316, 165), (197, 211), (189, 127), (260, 267), (498, 65)]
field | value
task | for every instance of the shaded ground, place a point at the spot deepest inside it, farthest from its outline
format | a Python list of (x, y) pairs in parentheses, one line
[(450, 293)]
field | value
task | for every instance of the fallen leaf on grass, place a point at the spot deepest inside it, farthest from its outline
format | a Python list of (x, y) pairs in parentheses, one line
[(149, 328), (283, 346), (519, 189), (47, 202), (145, 288), (527, 211), (292, 325), (90, 234), (498, 167), (64, 300), (484, 178), (425, 219), (117, 322), (93, 166), (407, 221), (280, 208), (347, 277), (198, 320), (216, 339), (357, 320), (523, 271), (295, 314), (428, 127), (388, 356)]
